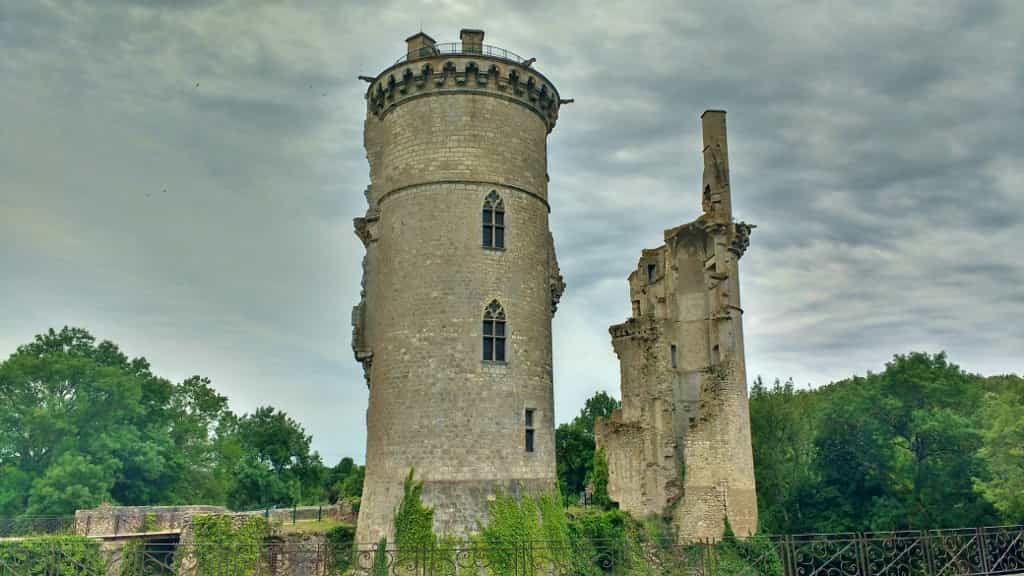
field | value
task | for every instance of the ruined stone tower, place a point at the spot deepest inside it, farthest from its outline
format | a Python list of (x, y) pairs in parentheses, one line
[(460, 282), (680, 444)]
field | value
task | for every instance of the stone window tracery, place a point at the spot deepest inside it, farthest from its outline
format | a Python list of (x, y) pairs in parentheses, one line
[(494, 222), (495, 334)]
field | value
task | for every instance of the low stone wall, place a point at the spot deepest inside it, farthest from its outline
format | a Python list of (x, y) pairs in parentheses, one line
[(340, 511), (299, 554), (115, 520)]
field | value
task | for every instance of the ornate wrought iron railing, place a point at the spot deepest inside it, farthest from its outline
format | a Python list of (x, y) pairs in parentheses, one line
[(462, 48), (990, 551)]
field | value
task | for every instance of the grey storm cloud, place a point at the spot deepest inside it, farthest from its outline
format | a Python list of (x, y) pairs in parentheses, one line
[(181, 177)]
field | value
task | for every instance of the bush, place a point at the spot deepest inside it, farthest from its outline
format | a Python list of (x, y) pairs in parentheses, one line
[(517, 526), (52, 555), (754, 556), (223, 549), (340, 544), (414, 523)]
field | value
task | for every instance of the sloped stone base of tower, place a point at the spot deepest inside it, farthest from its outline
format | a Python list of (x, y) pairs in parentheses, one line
[(460, 506)]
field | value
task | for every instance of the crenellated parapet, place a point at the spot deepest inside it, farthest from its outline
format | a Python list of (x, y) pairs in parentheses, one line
[(469, 73)]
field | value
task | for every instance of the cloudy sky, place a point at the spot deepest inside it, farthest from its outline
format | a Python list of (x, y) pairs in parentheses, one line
[(182, 179)]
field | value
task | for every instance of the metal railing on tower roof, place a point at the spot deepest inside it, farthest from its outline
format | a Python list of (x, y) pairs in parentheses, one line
[(462, 48)]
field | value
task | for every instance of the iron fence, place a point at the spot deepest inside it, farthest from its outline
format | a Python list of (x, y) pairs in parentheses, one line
[(989, 551), (462, 48), (36, 525)]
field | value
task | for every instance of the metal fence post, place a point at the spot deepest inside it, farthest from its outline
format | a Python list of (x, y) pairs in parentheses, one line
[(862, 554), (982, 553), (929, 556)]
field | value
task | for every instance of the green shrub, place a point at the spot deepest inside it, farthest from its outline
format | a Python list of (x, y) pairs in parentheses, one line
[(414, 523), (754, 556), (525, 530), (52, 555), (340, 544), (599, 480), (380, 558)]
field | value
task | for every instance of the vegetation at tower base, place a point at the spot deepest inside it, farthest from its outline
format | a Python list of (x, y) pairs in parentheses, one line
[(414, 522), (754, 555), (51, 555), (380, 558)]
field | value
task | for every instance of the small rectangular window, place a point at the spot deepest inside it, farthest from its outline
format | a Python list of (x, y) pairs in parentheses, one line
[(652, 272), (675, 354), (488, 351), (529, 417), (499, 350), (499, 236), (529, 440)]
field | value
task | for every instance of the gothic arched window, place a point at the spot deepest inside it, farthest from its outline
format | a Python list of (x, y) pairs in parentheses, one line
[(494, 221), (494, 332)]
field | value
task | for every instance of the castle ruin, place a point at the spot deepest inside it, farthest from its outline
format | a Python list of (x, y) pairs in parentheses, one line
[(680, 444), (460, 282)]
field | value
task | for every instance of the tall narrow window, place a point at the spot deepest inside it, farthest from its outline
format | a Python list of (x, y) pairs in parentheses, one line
[(494, 221), (494, 332), (652, 272), (529, 429), (675, 356)]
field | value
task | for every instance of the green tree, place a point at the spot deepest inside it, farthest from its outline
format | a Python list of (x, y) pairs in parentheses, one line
[(599, 479), (1003, 447), (277, 467), (782, 430), (901, 449), (81, 424), (71, 483), (574, 444)]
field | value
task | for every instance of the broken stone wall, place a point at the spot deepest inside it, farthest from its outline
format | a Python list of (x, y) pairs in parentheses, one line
[(680, 445)]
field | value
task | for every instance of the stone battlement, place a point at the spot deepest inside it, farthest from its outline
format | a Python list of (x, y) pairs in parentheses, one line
[(465, 73)]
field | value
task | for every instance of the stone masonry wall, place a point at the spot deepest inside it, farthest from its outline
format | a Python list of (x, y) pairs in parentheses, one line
[(680, 445), (113, 520), (436, 148)]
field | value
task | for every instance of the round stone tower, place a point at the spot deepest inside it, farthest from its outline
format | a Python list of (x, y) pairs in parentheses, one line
[(460, 282)]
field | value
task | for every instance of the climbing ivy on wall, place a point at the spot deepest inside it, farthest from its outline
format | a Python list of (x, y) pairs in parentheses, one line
[(516, 524), (51, 555), (414, 522), (223, 546)]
